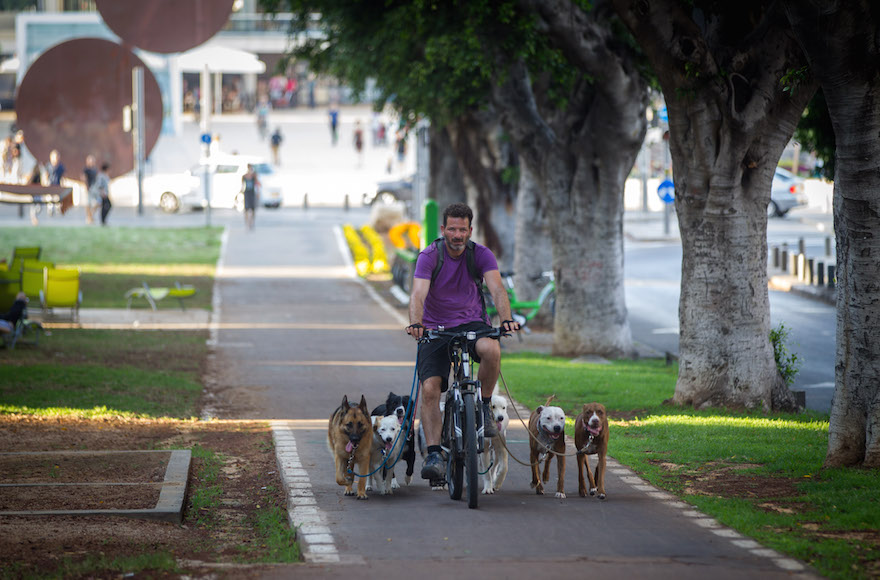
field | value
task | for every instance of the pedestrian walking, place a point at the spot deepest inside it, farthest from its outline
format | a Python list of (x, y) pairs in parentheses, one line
[(334, 125), (102, 186), (275, 143), (359, 142), (250, 185), (89, 175)]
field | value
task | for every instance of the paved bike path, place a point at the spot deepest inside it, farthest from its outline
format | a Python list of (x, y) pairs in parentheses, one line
[(296, 331)]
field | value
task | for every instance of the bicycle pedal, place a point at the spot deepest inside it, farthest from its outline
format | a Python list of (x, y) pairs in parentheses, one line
[(438, 482)]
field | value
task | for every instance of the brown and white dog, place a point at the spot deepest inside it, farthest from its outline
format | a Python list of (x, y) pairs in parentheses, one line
[(349, 437), (547, 429), (591, 438)]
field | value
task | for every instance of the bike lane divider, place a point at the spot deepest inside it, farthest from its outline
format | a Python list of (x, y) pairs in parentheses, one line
[(313, 533)]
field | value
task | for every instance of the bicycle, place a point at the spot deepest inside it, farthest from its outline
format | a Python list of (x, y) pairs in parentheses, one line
[(524, 310), (462, 431)]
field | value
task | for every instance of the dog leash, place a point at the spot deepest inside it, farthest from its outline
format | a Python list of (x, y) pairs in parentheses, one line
[(525, 425), (408, 419)]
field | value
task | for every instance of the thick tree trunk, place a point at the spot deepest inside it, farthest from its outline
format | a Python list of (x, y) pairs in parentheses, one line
[(581, 154), (534, 248), (730, 119), (446, 185), (483, 158), (840, 40)]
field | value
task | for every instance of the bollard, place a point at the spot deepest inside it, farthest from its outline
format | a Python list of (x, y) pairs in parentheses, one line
[(792, 264), (802, 246), (306, 201), (345, 203), (776, 257), (827, 245), (810, 278), (801, 266), (820, 274), (831, 280), (784, 258)]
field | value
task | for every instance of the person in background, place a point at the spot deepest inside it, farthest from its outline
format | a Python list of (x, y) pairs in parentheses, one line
[(9, 319), (102, 187), (89, 174), (250, 185)]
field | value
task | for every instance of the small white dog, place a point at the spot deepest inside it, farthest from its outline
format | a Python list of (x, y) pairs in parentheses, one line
[(386, 444), (494, 459)]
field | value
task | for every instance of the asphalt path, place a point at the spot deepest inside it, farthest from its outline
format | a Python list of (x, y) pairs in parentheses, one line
[(295, 330)]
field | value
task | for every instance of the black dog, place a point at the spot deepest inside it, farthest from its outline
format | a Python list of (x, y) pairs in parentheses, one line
[(397, 405)]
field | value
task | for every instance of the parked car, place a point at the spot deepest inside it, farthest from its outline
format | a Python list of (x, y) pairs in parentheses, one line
[(787, 192), (388, 192), (174, 191), (225, 172)]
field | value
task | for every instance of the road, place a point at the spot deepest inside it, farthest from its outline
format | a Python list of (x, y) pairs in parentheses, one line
[(653, 278)]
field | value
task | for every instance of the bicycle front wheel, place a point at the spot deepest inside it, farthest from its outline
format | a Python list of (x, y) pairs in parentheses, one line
[(470, 449), (454, 463)]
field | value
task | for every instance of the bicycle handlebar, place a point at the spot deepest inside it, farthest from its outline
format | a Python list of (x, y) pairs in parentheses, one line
[(434, 334)]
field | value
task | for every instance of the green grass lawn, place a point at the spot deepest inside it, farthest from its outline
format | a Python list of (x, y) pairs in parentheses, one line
[(758, 474), (114, 260)]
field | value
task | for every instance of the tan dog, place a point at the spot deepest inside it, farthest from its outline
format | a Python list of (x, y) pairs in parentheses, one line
[(591, 438), (349, 437), (547, 429)]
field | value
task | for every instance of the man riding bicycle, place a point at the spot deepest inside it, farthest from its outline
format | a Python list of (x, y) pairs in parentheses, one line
[(453, 300)]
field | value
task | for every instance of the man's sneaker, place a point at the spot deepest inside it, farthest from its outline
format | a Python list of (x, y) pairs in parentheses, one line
[(490, 429), (433, 467)]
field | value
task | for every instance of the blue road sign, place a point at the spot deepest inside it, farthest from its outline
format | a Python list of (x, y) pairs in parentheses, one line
[(206, 138), (666, 191), (663, 114)]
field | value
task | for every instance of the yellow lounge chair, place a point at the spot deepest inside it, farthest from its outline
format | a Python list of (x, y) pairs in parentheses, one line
[(154, 295), (26, 252), (32, 276), (61, 290)]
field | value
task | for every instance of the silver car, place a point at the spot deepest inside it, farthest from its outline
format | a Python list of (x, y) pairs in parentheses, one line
[(787, 192)]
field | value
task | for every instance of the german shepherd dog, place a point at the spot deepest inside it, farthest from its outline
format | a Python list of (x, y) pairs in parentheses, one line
[(349, 437)]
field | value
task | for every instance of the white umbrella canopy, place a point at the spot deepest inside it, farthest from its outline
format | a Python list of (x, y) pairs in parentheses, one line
[(220, 59)]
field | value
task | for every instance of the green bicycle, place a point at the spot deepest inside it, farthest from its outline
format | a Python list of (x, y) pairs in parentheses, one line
[(524, 310)]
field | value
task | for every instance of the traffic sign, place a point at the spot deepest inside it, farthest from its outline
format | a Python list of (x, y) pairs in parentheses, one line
[(666, 191), (206, 138)]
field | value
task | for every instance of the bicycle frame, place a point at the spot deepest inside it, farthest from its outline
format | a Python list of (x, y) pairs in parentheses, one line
[(527, 309)]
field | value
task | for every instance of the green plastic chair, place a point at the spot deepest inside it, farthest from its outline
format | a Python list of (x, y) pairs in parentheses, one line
[(32, 277), (26, 252), (61, 290), (10, 286)]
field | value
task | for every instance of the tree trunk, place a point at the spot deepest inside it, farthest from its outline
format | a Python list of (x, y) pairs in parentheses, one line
[(729, 120), (839, 39), (580, 154), (534, 250), (446, 185), (483, 158)]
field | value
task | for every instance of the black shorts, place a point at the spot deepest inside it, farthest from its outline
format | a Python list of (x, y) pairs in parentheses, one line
[(435, 359)]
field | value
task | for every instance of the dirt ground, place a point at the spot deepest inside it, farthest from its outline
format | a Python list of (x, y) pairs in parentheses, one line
[(35, 546)]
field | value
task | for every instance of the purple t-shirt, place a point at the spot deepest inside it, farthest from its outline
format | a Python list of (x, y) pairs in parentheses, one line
[(453, 299)]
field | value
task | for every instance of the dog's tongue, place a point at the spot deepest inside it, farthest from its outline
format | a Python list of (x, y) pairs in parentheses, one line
[(349, 447), (499, 424), (555, 435), (388, 447), (399, 420), (594, 431)]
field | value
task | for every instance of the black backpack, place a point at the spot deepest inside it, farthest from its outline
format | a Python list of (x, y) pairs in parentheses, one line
[(470, 260)]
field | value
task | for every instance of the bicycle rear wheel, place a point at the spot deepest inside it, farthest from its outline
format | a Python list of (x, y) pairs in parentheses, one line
[(470, 449)]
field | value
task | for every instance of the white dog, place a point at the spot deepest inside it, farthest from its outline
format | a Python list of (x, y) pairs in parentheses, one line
[(493, 460), (386, 448)]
